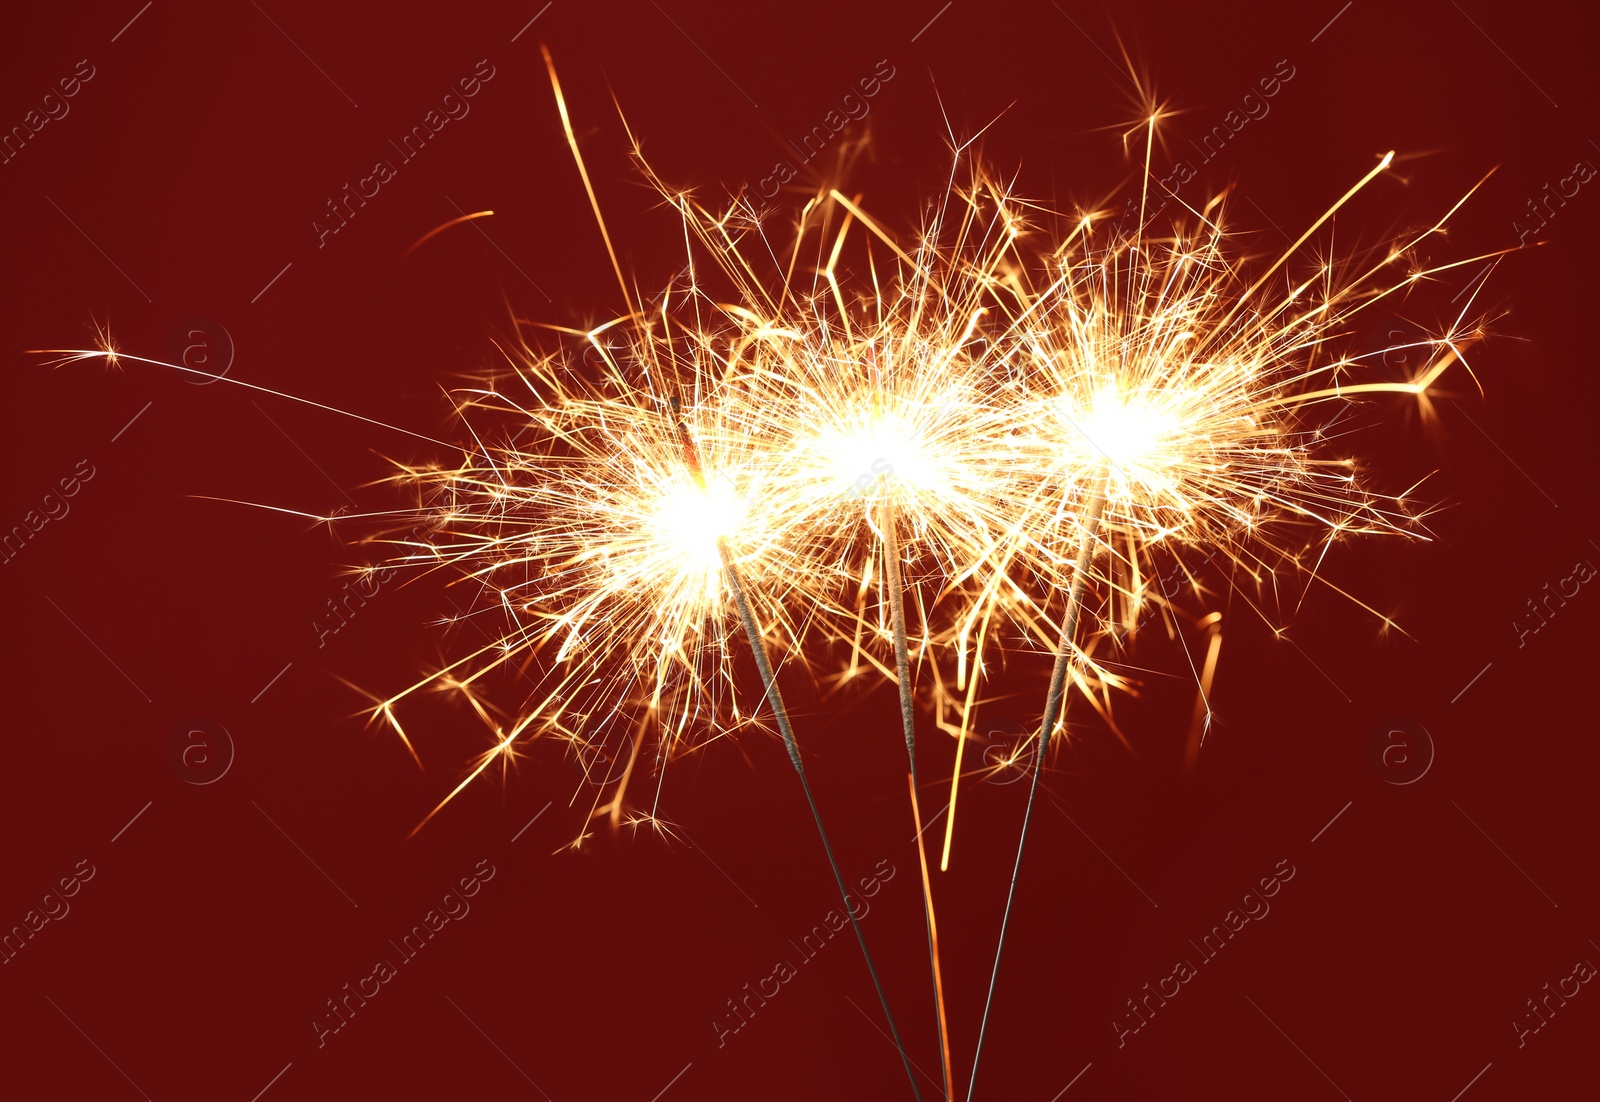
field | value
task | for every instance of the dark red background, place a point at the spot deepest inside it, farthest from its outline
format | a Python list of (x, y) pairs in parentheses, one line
[(195, 960)]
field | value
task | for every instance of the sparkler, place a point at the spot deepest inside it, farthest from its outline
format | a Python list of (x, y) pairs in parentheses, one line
[(758, 650), (733, 576), (626, 540), (886, 457), (1162, 399)]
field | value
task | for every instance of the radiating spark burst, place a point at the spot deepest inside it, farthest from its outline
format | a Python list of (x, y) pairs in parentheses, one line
[(1154, 373), (602, 543), (886, 432)]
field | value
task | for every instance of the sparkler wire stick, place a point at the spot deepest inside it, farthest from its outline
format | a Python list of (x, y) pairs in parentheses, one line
[(758, 650), (897, 615), (1052, 713), (780, 713), (933, 936), (902, 668)]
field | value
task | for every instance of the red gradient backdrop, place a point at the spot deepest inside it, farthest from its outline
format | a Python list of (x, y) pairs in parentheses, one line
[(185, 179)]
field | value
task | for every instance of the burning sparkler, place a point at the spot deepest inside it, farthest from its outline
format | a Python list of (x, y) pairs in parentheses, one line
[(887, 465), (1164, 397), (624, 546)]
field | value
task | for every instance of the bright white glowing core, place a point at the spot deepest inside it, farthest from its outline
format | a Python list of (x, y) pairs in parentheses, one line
[(691, 520), (883, 449), (1126, 431)]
